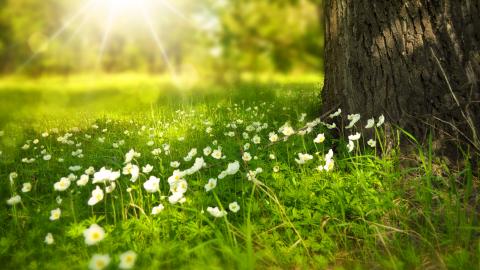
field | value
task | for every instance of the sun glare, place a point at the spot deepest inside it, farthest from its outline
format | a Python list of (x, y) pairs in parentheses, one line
[(116, 18), (125, 6)]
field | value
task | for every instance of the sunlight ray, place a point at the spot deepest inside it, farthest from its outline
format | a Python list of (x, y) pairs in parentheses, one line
[(106, 34), (82, 23), (79, 14), (156, 38), (175, 11)]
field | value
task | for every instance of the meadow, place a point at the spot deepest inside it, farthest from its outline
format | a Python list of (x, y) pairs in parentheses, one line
[(133, 171)]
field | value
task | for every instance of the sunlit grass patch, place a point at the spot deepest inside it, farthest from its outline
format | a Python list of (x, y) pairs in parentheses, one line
[(243, 177)]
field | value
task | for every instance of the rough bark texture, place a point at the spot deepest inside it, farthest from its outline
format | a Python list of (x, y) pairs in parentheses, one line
[(381, 58)]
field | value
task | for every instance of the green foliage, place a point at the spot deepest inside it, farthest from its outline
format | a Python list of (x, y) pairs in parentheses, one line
[(375, 209), (208, 38)]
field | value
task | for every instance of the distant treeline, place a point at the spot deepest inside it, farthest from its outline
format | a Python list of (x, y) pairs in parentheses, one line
[(202, 36)]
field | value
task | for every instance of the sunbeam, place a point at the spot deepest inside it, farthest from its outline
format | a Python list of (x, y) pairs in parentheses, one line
[(80, 13), (156, 38), (82, 23), (174, 10), (106, 34)]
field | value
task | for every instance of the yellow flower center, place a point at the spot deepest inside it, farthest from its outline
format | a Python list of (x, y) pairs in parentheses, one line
[(95, 235)]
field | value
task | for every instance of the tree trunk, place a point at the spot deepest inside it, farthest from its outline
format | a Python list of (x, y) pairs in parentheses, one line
[(398, 58)]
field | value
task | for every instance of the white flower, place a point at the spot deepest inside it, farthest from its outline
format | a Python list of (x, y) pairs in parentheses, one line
[(156, 151), (350, 146), (131, 155), (246, 146), (329, 154), (49, 239), (90, 171), (47, 157), (252, 175), (329, 165), (381, 120), (335, 114), (354, 118), (132, 170), (272, 156), (214, 211), (217, 154), (273, 137), (331, 126), (302, 132), (276, 169), (256, 139), (177, 175), (287, 130), (99, 262), (176, 198), (372, 143), (234, 207), (174, 164), (232, 168), (303, 158), (320, 138), (55, 214), (72, 177), (83, 180), (75, 168), (93, 234), (354, 137), (179, 186), (152, 185), (26, 187), (127, 260), (302, 117), (147, 168), (207, 151), (62, 185), (246, 157), (14, 200), (105, 175), (111, 187), (222, 175), (197, 165), (97, 195), (191, 154), (370, 123), (329, 162), (212, 183), (157, 209)]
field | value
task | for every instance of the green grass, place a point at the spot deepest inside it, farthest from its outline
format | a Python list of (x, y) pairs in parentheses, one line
[(377, 208)]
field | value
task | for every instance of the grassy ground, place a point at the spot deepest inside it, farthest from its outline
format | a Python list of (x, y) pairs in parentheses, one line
[(375, 208)]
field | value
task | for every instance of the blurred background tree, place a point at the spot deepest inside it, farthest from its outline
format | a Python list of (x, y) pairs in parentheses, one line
[(221, 39)]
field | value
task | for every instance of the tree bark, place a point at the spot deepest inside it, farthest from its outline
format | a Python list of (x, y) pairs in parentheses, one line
[(398, 58)]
